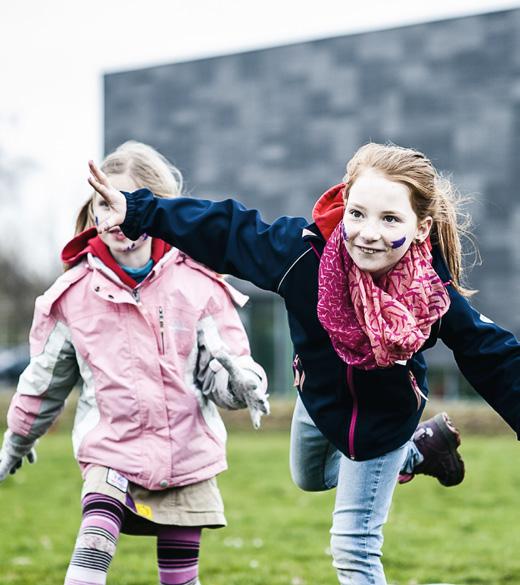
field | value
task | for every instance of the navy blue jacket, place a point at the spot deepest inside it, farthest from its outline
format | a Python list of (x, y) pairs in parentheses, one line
[(364, 413)]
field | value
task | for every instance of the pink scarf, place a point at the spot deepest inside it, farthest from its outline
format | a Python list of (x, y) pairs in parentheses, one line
[(375, 325)]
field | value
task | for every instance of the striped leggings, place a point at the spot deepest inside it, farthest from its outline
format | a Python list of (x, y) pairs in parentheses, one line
[(177, 546)]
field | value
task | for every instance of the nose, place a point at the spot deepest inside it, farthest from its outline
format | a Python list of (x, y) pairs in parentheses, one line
[(370, 232)]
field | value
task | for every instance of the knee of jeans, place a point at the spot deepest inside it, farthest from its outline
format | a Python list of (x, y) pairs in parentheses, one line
[(355, 550), (342, 549), (308, 483)]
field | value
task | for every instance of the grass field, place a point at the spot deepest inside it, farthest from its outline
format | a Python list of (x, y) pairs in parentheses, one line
[(278, 535)]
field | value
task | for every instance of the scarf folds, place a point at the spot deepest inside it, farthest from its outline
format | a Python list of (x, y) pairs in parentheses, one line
[(376, 325)]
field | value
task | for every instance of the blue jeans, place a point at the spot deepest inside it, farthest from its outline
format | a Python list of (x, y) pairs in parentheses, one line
[(363, 496)]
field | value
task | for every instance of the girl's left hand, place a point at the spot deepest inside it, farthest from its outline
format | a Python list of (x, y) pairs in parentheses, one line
[(114, 198), (12, 456), (245, 385)]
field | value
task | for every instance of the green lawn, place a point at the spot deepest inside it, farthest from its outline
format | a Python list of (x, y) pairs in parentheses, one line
[(278, 535)]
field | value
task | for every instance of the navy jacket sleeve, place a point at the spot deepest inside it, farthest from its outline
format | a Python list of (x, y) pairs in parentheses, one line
[(488, 356), (223, 235)]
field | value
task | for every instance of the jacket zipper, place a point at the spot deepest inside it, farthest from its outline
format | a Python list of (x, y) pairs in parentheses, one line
[(161, 327), (136, 294), (353, 418)]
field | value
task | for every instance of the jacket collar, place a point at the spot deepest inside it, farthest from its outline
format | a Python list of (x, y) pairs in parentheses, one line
[(89, 242), (311, 232)]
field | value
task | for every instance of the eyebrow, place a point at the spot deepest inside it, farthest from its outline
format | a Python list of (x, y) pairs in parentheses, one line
[(387, 212)]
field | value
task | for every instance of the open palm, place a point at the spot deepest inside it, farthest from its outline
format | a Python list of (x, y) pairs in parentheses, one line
[(114, 198)]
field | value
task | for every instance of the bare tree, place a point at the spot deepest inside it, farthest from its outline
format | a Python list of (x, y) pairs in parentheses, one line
[(18, 290), (19, 285)]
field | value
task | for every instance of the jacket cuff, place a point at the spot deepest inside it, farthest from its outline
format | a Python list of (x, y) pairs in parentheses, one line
[(135, 204)]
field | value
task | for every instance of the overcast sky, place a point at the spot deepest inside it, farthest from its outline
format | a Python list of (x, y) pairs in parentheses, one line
[(54, 53)]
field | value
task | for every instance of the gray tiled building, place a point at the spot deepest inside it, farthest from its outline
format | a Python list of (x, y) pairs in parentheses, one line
[(275, 127)]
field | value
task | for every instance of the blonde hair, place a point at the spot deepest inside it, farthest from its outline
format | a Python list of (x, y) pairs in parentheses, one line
[(431, 195), (147, 168)]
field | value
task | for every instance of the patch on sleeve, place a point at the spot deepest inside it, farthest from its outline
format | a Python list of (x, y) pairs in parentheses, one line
[(116, 480), (485, 319)]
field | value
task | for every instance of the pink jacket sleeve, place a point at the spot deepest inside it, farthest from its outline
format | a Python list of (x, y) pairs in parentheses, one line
[(221, 329), (48, 379)]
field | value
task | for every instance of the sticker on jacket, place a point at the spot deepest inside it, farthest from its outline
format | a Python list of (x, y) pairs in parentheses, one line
[(144, 510), (117, 480)]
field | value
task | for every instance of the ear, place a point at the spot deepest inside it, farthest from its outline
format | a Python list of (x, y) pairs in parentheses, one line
[(423, 229)]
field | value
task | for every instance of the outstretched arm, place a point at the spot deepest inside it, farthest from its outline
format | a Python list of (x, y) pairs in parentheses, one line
[(223, 235), (487, 355)]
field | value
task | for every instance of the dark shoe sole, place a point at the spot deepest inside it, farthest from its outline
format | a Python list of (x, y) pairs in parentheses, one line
[(452, 435), (448, 430)]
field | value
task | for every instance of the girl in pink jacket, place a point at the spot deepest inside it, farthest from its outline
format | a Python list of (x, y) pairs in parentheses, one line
[(157, 344)]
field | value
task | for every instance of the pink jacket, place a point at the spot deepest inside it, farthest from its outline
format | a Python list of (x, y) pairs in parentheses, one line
[(141, 410)]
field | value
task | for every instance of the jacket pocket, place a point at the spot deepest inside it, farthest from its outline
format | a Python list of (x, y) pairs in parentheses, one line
[(392, 389), (182, 327), (419, 394)]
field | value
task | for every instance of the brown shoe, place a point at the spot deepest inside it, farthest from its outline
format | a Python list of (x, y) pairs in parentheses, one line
[(437, 439)]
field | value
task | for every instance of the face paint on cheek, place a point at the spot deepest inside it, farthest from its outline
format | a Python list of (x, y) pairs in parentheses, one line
[(130, 248), (145, 237), (344, 232), (398, 243), (96, 220)]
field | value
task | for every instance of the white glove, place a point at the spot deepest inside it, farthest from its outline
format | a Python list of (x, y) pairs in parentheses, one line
[(246, 387), (12, 455)]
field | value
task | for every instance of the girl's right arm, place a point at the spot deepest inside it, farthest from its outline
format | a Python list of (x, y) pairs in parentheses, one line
[(223, 235), (487, 355), (42, 388)]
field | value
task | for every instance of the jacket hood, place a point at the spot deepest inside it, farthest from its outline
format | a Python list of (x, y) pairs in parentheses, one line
[(328, 210), (89, 242)]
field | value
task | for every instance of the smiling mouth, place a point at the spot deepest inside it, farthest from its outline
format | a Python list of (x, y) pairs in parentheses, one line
[(368, 250)]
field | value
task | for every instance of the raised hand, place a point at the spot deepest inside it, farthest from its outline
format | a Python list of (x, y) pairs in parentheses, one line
[(245, 385), (114, 198)]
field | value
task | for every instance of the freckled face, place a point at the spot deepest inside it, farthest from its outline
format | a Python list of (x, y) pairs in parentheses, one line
[(380, 223), (116, 241)]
